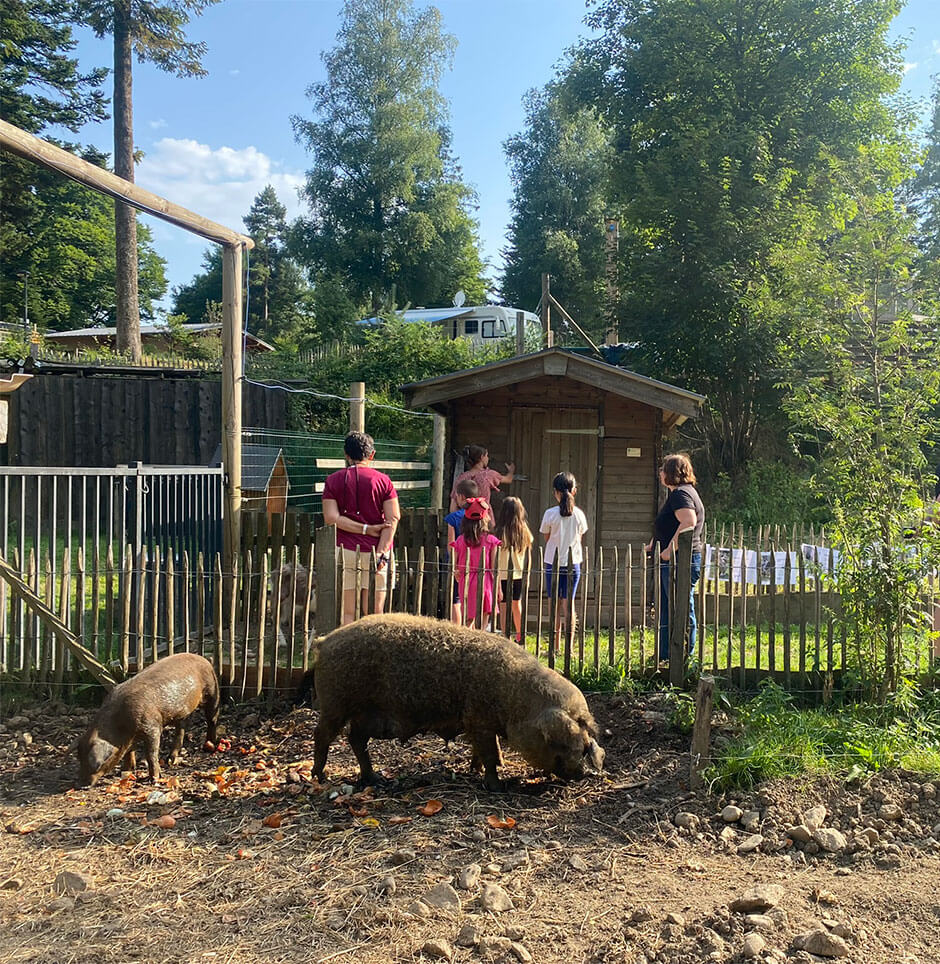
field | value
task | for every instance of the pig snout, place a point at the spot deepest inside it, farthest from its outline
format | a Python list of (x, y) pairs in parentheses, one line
[(595, 756)]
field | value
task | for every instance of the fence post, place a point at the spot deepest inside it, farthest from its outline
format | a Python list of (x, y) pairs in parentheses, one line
[(327, 589), (357, 407), (701, 732), (679, 616), (438, 452)]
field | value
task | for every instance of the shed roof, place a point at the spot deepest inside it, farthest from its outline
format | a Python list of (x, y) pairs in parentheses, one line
[(677, 404), (103, 334), (430, 315), (258, 463)]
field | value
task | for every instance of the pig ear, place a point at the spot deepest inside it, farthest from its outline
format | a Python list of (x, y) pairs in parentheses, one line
[(554, 724)]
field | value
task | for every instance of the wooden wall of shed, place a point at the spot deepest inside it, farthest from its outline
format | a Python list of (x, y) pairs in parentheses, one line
[(627, 492), (61, 418)]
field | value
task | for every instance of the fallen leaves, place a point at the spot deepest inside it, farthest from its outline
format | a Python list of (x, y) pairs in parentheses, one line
[(166, 822), (399, 820), (430, 808), (273, 820), (497, 824)]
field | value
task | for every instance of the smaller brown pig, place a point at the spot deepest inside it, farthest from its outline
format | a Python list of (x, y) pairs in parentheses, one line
[(166, 692)]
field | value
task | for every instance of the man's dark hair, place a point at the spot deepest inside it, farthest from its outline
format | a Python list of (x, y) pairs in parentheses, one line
[(358, 446)]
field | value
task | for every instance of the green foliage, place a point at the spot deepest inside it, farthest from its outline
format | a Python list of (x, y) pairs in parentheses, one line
[(766, 493), (40, 84), (157, 30), (774, 738), (868, 379), (62, 233), (727, 117), (560, 173), (387, 206), (186, 344)]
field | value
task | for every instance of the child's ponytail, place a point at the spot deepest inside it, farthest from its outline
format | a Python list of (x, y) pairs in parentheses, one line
[(564, 483)]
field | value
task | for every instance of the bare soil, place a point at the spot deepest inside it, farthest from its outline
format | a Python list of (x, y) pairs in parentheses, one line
[(263, 865)]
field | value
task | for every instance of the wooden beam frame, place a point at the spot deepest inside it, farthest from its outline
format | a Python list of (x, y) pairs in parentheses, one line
[(41, 152)]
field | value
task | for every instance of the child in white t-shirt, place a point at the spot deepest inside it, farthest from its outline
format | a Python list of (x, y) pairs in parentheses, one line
[(563, 526)]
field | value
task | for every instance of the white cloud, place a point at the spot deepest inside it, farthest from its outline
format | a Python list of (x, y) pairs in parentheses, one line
[(908, 67), (234, 72), (218, 183), (158, 124), (936, 46)]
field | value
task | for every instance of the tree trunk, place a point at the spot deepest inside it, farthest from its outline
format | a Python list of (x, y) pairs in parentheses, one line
[(125, 216)]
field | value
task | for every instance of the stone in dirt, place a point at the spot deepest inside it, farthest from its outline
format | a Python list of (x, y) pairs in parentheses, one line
[(439, 949), (754, 944), (402, 857), (496, 899), (751, 844), (731, 813), (493, 947), (469, 935), (685, 819), (830, 840), (815, 817), (69, 882), (760, 922), (750, 821), (577, 862), (443, 896), (387, 885), (418, 908), (12, 883), (516, 859), (469, 877), (800, 833), (890, 811), (762, 897), (521, 953), (821, 943)]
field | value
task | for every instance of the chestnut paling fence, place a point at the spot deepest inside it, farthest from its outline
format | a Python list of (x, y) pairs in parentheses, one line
[(766, 605)]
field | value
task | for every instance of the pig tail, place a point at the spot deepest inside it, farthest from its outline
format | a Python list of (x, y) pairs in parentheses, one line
[(564, 483)]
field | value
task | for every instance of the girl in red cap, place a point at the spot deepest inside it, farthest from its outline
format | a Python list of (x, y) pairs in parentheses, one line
[(474, 544)]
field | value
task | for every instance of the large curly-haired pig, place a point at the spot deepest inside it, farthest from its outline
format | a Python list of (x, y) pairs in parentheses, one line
[(392, 676)]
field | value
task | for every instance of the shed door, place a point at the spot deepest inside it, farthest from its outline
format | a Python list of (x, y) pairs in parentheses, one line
[(546, 441)]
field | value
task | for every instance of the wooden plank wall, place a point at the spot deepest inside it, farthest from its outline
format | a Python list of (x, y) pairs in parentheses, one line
[(102, 420)]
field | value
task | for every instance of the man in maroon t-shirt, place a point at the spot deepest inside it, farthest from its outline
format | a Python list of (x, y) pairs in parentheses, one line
[(363, 505)]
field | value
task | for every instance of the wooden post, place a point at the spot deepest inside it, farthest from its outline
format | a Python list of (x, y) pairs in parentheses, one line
[(231, 401), (701, 732), (679, 616), (327, 589), (357, 407), (438, 453), (548, 336), (520, 332)]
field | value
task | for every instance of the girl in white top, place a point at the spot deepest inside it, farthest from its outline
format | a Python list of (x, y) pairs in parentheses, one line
[(563, 526)]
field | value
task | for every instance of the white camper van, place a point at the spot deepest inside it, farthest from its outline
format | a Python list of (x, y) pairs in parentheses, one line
[(482, 325)]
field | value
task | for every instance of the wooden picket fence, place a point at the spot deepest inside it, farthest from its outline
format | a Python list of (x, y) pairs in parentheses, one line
[(759, 616)]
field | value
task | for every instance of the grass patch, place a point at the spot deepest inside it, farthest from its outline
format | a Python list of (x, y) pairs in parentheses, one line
[(772, 737)]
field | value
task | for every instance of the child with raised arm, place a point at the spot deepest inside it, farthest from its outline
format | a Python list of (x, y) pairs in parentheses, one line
[(515, 538), (463, 490), (563, 526), (473, 546)]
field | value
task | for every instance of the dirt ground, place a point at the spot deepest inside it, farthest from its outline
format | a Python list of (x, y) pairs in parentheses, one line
[(261, 865)]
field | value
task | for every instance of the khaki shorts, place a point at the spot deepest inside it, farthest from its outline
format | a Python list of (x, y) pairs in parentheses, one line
[(365, 564)]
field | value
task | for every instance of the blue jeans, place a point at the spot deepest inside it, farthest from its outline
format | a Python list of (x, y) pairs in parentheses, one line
[(664, 605)]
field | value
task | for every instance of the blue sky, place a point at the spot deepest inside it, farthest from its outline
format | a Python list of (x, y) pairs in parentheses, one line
[(212, 144)]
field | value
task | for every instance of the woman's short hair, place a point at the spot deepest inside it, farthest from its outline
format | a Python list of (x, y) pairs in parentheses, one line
[(358, 446), (677, 470)]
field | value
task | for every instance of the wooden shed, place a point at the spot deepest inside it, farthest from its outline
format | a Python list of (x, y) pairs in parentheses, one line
[(264, 479), (558, 410)]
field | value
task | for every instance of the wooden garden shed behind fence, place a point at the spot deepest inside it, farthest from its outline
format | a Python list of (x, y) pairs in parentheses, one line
[(557, 410)]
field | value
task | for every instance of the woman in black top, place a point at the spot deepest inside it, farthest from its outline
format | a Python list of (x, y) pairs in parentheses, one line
[(682, 510)]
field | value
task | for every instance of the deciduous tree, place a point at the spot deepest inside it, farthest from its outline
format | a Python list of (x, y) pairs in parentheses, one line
[(387, 206)]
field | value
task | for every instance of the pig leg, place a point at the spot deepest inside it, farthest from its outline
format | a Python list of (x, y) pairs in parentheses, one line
[(477, 764), (358, 738), (486, 750), (324, 734), (130, 760), (211, 709), (151, 738), (177, 745)]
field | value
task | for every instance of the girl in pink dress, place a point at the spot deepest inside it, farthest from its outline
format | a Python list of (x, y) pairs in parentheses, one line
[(473, 545), (477, 459)]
